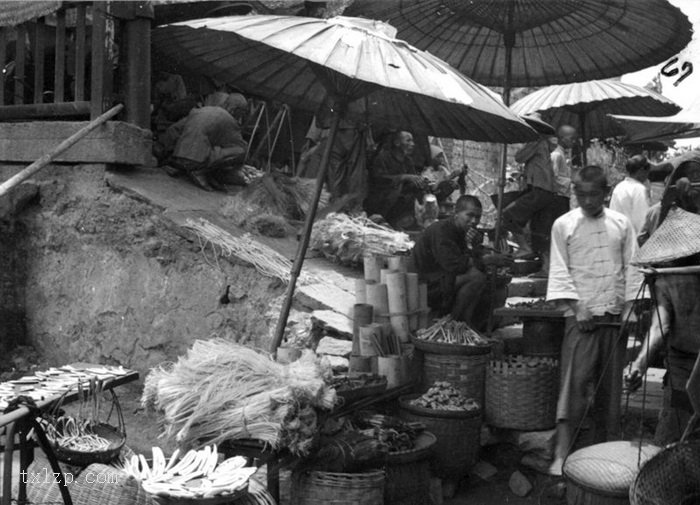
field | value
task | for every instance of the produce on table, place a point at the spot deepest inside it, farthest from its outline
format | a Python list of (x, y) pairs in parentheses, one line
[(345, 383), (198, 474), (443, 396), (347, 239), (448, 331), (539, 304), (225, 391)]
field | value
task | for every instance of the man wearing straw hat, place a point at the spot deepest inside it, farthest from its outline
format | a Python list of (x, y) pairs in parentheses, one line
[(676, 318), (591, 277)]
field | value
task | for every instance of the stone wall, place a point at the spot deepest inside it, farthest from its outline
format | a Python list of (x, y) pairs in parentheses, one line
[(108, 280)]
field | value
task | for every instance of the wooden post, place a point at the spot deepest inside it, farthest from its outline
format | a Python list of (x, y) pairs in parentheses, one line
[(80, 52), (59, 66), (20, 58), (98, 60), (3, 57), (138, 61), (50, 156), (38, 52)]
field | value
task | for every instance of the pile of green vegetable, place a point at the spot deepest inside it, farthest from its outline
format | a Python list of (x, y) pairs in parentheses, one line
[(539, 304), (443, 396), (393, 433)]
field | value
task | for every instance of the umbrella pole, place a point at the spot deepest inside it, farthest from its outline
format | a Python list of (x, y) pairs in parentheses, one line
[(306, 235), (509, 39), (584, 137)]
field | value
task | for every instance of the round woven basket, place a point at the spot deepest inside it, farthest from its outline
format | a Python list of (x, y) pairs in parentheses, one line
[(457, 432), (450, 349), (408, 473), (521, 398), (116, 438), (602, 474), (671, 477), (466, 372), (323, 488)]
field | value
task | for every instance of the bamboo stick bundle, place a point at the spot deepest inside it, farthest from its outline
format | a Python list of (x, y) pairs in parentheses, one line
[(398, 305)]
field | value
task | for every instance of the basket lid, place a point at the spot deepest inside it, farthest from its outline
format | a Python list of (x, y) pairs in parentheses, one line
[(608, 468)]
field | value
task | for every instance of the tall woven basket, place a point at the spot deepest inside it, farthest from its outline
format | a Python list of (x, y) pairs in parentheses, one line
[(466, 371), (522, 397), (670, 477), (328, 488), (408, 473), (457, 432)]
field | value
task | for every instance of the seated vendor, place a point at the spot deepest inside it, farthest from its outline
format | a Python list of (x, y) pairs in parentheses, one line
[(442, 180), (394, 183), (449, 257), (207, 145)]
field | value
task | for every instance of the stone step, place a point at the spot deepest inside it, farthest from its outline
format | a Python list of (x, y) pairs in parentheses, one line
[(333, 322), (322, 296)]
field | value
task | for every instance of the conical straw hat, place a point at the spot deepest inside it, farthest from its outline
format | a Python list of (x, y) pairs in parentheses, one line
[(677, 237)]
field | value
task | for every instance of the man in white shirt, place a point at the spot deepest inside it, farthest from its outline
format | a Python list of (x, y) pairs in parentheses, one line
[(591, 278), (631, 196)]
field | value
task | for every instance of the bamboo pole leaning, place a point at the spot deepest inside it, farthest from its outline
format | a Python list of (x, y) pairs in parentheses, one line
[(27, 172)]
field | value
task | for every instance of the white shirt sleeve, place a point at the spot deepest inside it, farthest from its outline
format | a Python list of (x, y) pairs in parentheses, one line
[(560, 285)]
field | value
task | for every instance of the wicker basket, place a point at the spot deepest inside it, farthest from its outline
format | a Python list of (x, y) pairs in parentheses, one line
[(408, 473), (466, 372), (327, 488), (670, 477), (523, 398), (457, 432), (601, 474)]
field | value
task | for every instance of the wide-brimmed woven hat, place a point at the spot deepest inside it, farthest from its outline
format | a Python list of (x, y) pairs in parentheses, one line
[(677, 237)]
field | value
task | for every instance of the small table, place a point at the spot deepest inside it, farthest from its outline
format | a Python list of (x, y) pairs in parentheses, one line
[(17, 421)]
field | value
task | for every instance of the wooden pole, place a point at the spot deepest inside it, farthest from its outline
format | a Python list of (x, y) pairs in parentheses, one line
[(63, 146), (306, 235)]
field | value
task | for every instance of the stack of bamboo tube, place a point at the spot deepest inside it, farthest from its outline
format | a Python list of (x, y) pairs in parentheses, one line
[(399, 307)]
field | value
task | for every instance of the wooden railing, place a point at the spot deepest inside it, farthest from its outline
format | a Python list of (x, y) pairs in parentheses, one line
[(63, 65)]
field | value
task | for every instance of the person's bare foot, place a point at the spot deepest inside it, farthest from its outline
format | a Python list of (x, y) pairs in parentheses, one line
[(556, 468)]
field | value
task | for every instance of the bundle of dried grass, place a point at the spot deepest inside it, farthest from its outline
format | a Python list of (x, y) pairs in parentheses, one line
[(265, 260), (225, 391), (273, 194), (346, 239)]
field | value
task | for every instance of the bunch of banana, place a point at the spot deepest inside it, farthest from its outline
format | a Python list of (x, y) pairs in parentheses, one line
[(198, 474)]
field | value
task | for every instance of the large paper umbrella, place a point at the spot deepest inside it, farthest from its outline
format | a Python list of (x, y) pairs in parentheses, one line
[(643, 129), (537, 42), (358, 71), (586, 105)]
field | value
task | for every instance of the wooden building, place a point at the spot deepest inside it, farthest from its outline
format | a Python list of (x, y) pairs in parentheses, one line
[(64, 63)]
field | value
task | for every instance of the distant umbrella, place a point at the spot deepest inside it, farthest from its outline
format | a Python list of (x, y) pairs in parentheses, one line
[(641, 129), (586, 105)]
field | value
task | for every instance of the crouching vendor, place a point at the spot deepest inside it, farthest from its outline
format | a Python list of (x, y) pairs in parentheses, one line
[(207, 145), (449, 257)]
